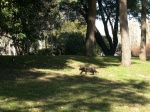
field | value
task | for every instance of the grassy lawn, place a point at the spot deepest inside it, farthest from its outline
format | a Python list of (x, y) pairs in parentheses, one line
[(53, 84)]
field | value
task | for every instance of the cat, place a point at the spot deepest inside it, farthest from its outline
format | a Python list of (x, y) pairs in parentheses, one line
[(88, 69)]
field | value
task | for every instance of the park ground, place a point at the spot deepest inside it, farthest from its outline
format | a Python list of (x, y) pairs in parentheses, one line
[(54, 84)]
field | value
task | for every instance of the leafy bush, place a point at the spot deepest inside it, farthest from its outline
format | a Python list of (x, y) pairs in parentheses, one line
[(53, 51), (44, 52), (136, 50), (148, 49), (74, 43)]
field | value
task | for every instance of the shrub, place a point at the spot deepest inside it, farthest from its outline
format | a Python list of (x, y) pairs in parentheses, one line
[(44, 52), (135, 50), (53, 51), (148, 49), (74, 43)]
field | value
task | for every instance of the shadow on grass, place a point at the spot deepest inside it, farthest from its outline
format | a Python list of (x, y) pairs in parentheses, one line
[(26, 62), (50, 62), (68, 93)]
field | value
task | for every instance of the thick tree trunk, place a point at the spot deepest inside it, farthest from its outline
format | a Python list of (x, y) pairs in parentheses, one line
[(90, 27), (142, 55), (125, 40)]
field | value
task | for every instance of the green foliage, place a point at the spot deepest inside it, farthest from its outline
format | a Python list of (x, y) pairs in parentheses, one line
[(55, 50), (21, 35), (25, 20), (76, 26), (44, 52), (74, 43)]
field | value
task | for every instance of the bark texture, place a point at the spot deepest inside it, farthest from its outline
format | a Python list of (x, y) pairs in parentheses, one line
[(125, 40), (142, 55), (90, 37)]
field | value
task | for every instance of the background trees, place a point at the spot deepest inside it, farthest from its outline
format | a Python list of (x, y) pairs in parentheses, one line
[(20, 22), (28, 22), (108, 12)]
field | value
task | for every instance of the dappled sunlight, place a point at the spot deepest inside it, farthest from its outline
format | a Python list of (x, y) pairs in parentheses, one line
[(56, 92), (62, 88)]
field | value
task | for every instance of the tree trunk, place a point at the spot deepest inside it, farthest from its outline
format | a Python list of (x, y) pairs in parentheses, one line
[(142, 55), (115, 29), (90, 27), (125, 40), (15, 45), (112, 42)]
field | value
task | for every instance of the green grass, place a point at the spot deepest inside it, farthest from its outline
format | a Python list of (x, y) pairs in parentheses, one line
[(53, 84)]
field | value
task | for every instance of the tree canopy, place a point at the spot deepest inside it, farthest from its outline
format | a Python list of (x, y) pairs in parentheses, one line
[(27, 21)]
